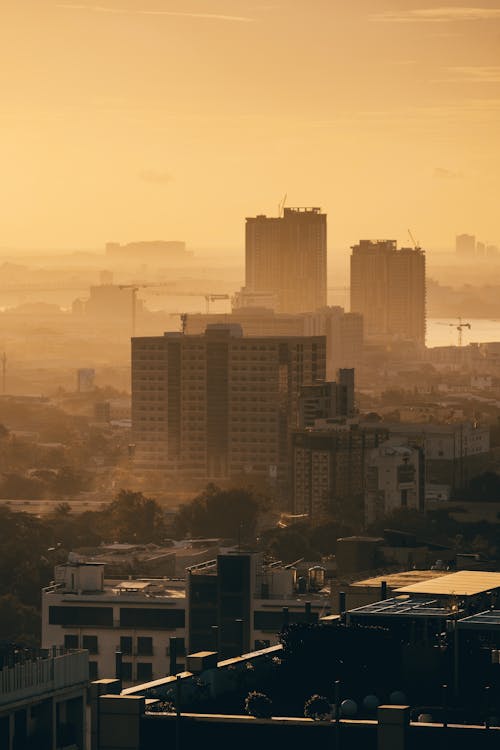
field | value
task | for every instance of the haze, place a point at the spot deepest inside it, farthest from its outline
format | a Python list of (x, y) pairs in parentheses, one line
[(126, 119)]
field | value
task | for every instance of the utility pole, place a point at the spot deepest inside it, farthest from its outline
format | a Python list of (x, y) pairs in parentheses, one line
[(4, 372)]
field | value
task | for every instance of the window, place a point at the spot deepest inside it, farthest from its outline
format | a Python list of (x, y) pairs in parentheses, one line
[(126, 671), (144, 670), (126, 644), (90, 643), (151, 618), (144, 646), (70, 641), (93, 670), (77, 617)]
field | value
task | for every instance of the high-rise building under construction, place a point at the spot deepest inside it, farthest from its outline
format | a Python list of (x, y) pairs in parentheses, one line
[(286, 258), (388, 289)]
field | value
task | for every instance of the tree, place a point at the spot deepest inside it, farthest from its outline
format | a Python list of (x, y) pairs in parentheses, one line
[(221, 513), (19, 623), (131, 517), (318, 708), (258, 705)]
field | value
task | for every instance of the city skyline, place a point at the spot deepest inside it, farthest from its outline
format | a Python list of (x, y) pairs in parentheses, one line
[(158, 100)]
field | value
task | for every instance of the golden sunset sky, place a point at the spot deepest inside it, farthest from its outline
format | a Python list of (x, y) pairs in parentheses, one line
[(175, 119)]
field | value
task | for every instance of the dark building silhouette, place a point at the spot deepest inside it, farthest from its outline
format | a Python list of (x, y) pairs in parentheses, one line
[(388, 289), (286, 257)]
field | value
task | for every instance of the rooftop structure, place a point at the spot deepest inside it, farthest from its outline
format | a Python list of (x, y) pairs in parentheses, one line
[(462, 583)]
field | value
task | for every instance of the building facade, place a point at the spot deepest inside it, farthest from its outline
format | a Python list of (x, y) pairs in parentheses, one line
[(218, 405), (287, 256), (327, 400), (395, 479), (43, 700), (328, 467), (343, 331), (388, 289)]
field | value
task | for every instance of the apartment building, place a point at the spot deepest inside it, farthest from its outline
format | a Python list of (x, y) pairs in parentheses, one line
[(343, 330), (218, 405), (83, 610), (287, 256), (395, 479), (388, 289), (328, 463)]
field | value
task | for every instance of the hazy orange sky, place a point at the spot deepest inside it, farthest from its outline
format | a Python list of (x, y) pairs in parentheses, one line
[(142, 119)]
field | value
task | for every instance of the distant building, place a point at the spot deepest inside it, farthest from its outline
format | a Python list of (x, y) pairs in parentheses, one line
[(285, 256), (328, 467), (327, 400), (85, 378), (395, 479), (112, 301), (388, 289), (219, 405), (453, 452), (465, 245), (43, 699), (343, 331), (159, 251)]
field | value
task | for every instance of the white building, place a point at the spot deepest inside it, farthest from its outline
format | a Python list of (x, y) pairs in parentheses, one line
[(137, 617), (233, 604), (394, 479)]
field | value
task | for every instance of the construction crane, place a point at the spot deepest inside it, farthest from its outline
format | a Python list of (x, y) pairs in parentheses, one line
[(412, 238), (136, 287), (459, 326)]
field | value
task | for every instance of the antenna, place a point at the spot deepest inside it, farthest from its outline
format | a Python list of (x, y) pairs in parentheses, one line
[(281, 206)]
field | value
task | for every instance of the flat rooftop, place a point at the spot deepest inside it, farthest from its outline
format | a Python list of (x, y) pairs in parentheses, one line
[(406, 606), (489, 620), (398, 580), (462, 583)]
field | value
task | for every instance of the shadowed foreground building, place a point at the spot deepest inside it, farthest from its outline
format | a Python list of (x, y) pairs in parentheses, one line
[(219, 405), (43, 700), (417, 670)]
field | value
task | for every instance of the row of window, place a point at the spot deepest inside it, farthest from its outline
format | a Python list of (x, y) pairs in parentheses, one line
[(143, 644)]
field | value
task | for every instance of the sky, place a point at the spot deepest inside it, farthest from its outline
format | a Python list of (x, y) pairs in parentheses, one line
[(123, 120)]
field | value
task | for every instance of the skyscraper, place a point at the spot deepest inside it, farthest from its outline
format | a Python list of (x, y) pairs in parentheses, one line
[(465, 244), (388, 289), (219, 405), (286, 257)]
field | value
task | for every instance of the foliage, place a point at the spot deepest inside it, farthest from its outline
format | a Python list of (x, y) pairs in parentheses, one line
[(317, 707), (19, 623), (223, 513), (258, 705), (131, 517)]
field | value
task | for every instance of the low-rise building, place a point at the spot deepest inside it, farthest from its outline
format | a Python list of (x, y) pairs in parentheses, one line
[(43, 700)]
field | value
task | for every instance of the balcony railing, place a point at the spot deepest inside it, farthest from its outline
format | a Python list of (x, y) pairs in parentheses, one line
[(41, 676)]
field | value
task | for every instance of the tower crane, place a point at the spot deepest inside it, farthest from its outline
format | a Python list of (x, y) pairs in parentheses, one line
[(136, 287), (460, 327)]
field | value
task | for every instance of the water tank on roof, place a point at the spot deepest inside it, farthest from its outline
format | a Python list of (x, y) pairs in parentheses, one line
[(316, 577)]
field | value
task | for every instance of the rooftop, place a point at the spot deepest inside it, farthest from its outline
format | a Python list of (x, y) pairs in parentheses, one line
[(462, 583), (406, 606), (489, 620), (398, 580)]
